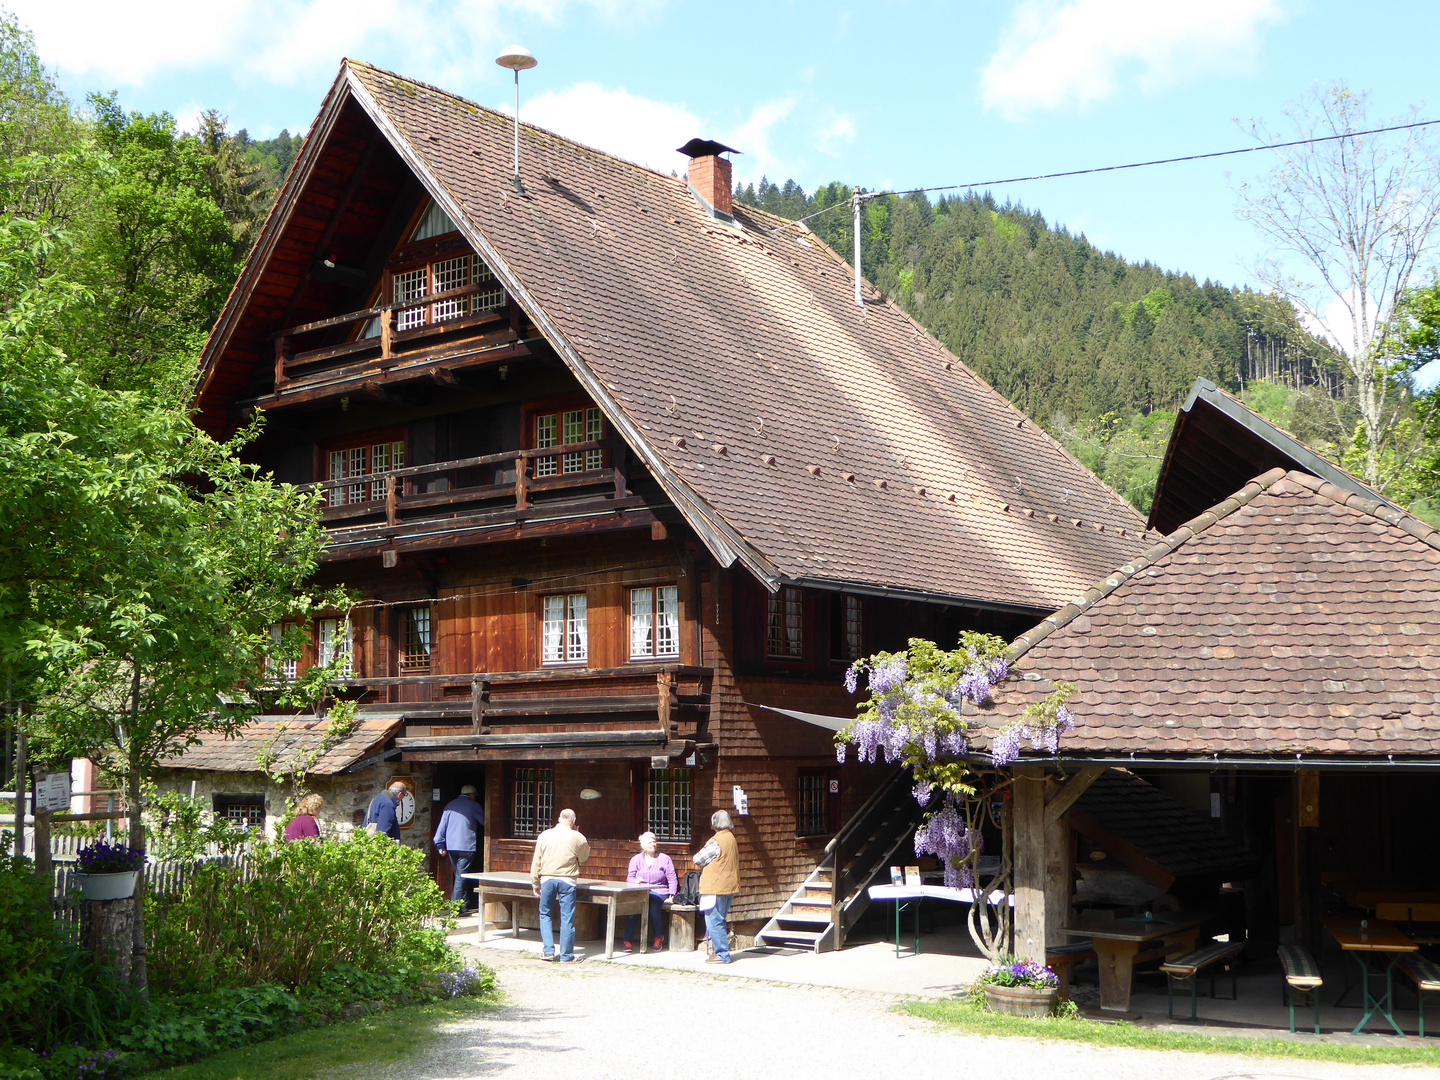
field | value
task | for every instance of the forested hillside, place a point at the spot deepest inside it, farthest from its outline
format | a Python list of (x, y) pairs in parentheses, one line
[(1055, 324)]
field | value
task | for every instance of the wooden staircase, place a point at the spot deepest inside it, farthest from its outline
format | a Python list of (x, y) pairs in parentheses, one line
[(832, 898)]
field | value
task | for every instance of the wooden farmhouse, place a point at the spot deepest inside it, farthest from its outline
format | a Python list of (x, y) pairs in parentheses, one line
[(616, 469), (1271, 663)]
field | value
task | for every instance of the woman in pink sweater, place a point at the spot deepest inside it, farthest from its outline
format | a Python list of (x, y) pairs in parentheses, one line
[(654, 868)]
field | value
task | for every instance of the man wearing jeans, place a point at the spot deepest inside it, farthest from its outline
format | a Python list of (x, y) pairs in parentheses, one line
[(458, 836), (559, 853)]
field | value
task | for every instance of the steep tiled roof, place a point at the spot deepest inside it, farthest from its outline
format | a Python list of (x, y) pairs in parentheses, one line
[(1295, 617), (1163, 830), (818, 439), (285, 740)]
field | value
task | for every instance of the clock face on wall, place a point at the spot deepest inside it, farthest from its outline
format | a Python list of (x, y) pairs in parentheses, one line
[(405, 809)]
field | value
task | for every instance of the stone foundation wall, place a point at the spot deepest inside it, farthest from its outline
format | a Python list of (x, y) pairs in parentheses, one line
[(346, 796)]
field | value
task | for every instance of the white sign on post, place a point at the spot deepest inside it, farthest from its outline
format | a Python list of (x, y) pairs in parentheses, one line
[(53, 793)]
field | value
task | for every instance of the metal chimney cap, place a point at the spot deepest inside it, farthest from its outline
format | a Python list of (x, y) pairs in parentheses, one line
[(516, 58), (705, 148)]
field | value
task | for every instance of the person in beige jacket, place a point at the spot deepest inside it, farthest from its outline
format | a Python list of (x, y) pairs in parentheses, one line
[(719, 882), (559, 854)]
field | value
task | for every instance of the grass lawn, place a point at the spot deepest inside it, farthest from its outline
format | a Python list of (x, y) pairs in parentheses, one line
[(965, 1015), (372, 1041)]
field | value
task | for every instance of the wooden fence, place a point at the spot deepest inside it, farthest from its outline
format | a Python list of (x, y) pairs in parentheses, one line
[(161, 878)]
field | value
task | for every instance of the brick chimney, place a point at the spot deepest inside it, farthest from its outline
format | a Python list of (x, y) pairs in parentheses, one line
[(710, 176)]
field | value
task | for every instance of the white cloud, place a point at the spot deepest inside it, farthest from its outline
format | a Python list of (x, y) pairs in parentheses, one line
[(753, 139), (617, 122), (835, 132), (279, 41), (1076, 53)]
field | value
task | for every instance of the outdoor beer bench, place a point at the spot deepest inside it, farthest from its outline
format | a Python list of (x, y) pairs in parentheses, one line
[(1302, 976), (1058, 959), (1426, 976), (1191, 964)]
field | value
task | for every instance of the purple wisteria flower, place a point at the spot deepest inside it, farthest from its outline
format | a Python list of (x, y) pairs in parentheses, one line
[(921, 792), (852, 678), (1005, 747)]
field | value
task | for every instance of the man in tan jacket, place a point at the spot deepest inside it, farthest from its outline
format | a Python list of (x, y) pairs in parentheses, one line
[(559, 853)]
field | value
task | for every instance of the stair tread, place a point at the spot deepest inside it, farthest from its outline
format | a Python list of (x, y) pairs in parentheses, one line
[(792, 935)]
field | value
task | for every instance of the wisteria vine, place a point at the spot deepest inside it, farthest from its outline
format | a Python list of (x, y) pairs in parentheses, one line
[(914, 714)]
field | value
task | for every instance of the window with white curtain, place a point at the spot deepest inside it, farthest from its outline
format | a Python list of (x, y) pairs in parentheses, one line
[(654, 622), (563, 632), (286, 668), (335, 638)]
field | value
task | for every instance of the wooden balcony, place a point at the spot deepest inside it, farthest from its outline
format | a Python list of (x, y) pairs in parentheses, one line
[(425, 505), (309, 369), (640, 710)]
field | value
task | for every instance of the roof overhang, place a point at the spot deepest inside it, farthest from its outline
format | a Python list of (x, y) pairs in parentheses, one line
[(1217, 445)]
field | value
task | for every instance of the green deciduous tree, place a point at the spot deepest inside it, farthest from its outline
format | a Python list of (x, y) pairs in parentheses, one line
[(1351, 220), (141, 564)]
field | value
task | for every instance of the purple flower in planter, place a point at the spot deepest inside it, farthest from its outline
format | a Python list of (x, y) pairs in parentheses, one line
[(103, 858)]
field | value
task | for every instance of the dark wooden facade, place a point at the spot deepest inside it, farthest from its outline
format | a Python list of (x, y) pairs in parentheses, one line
[(474, 484)]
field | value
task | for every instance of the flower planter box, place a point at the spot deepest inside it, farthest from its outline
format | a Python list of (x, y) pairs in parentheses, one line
[(108, 886), (1030, 1001)]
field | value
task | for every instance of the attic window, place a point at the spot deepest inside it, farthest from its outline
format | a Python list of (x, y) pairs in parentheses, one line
[(435, 222)]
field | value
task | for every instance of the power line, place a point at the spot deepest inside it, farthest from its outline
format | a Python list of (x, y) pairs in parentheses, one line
[(1131, 165)]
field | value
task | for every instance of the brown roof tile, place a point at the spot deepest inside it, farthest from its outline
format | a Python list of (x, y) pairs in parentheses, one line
[(856, 448), (287, 739), (1295, 651)]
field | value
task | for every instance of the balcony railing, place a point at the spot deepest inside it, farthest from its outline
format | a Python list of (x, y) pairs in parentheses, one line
[(550, 694), (473, 484), (391, 346)]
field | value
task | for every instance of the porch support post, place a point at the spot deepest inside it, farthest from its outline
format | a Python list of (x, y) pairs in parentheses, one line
[(1028, 805)]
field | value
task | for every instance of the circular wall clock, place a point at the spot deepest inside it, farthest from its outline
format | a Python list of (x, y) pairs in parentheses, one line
[(405, 810)]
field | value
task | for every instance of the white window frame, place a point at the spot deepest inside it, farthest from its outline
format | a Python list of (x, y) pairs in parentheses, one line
[(326, 648), (655, 622), (287, 668), (424, 630), (564, 634)]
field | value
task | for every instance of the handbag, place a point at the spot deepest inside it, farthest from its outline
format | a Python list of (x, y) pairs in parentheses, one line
[(707, 854)]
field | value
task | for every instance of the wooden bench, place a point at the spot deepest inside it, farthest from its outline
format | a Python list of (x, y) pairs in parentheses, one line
[(1191, 964), (1302, 976), (1426, 976), (1058, 959)]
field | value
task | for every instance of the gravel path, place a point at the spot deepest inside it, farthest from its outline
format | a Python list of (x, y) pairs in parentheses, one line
[(591, 1022)]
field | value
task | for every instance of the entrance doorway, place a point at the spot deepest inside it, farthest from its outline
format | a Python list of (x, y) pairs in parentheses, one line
[(449, 779)]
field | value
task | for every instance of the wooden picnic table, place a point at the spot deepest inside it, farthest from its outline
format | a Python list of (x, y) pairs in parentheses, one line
[(1118, 945), (1376, 946), (619, 898)]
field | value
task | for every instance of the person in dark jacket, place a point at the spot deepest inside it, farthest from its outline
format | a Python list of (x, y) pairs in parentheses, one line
[(457, 836), (381, 814)]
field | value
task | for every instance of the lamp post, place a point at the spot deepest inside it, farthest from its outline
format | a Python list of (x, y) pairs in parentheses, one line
[(517, 58)]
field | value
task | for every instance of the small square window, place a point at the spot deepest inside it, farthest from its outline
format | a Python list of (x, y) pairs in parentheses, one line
[(564, 638), (532, 801), (784, 625), (654, 622), (415, 639), (668, 800)]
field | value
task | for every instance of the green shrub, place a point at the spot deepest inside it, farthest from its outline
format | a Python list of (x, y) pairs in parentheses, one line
[(298, 910), (30, 942)]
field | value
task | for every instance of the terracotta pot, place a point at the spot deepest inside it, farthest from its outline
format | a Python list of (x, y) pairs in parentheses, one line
[(1029, 1001), (108, 886)]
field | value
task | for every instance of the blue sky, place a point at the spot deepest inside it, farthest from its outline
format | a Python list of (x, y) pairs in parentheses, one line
[(880, 94)]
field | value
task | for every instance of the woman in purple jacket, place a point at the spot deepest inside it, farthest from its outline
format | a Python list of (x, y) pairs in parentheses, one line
[(654, 868)]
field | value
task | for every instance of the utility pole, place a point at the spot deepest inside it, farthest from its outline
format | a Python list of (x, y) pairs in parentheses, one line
[(855, 202)]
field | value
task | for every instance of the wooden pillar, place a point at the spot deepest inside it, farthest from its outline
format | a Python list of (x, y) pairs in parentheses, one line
[(1059, 879), (1028, 807), (1306, 817)]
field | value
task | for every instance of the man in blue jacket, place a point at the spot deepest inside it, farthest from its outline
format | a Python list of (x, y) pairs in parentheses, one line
[(458, 836), (381, 814)]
